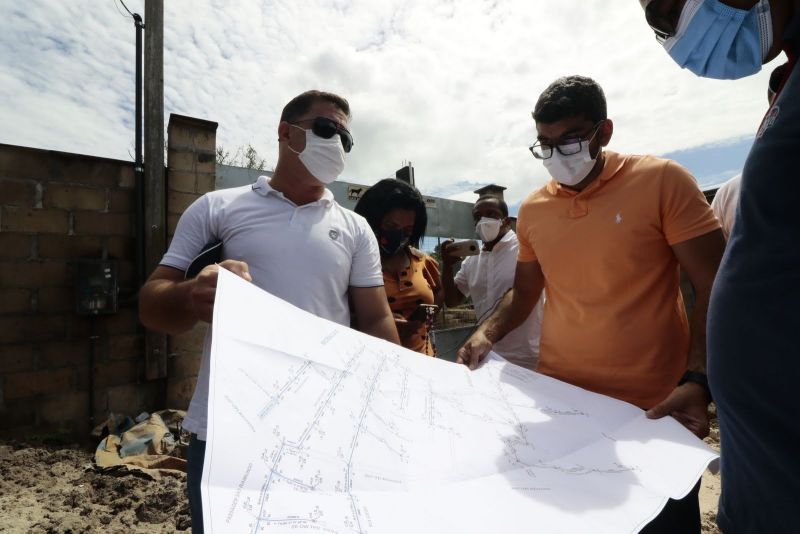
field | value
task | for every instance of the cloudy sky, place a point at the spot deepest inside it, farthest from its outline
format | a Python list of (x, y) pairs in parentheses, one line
[(448, 85)]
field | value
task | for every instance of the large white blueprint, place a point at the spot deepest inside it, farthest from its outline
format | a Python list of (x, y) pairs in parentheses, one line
[(314, 427)]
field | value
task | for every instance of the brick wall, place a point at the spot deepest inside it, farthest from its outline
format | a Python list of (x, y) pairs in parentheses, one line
[(191, 162), (56, 208)]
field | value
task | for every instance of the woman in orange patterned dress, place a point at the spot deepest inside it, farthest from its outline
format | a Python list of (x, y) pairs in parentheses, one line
[(396, 212)]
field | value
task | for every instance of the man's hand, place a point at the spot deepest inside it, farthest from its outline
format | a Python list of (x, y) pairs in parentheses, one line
[(448, 259), (452, 295), (688, 404), (474, 350), (204, 287)]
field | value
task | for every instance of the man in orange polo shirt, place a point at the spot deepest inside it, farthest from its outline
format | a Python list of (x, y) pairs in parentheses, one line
[(606, 238)]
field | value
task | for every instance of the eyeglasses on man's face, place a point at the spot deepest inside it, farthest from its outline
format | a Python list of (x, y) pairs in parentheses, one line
[(566, 147), (327, 128), (662, 17)]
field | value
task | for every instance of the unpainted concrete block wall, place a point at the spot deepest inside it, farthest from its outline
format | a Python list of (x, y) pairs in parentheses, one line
[(56, 208), (191, 164)]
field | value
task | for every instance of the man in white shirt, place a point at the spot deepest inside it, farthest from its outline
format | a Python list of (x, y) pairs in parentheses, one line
[(724, 204), (488, 276), (285, 234)]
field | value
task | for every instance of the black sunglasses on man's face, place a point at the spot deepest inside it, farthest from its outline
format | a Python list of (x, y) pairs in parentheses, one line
[(662, 17), (327, 128)]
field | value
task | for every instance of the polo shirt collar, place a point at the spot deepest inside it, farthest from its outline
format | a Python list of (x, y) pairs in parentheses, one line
[(611, 167), (263, 188)]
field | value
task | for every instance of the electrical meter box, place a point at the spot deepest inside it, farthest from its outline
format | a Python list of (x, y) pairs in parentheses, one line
[(95, 287)]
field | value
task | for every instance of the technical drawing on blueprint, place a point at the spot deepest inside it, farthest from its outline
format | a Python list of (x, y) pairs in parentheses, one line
[(314, 427)]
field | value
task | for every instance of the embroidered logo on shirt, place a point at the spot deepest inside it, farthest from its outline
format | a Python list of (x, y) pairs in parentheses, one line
[(618, 218), (333, 234), (769, 120)]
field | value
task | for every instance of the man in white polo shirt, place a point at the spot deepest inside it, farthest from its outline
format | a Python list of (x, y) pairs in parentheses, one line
[(285, 234), (488, 277)]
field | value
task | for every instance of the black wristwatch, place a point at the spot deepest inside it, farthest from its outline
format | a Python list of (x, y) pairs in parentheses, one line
[(698, 378)]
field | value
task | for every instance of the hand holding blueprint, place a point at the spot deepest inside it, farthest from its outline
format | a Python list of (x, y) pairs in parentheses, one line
[(314, 427)]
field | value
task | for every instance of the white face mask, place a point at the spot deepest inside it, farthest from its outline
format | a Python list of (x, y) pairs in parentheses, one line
[(570, 170), (324, 158), (488, 229)]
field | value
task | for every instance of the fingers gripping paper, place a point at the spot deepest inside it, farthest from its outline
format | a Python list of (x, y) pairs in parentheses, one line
[(314, 427)]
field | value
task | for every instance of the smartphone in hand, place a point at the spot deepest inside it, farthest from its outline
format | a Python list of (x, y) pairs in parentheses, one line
[(211, 254), (423, 311), (462, 249)]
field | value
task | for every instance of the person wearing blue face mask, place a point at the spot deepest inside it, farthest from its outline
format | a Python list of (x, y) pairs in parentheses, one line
[(720, 39), (754, 313)]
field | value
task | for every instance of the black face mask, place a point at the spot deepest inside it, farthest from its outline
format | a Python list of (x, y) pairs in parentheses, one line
[(391, 241)]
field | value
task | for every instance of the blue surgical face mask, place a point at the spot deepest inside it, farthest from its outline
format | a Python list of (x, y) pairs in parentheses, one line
[(714, 40)]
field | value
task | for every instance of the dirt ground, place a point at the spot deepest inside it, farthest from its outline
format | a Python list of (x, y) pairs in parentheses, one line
[(710, 488), (46, 489)]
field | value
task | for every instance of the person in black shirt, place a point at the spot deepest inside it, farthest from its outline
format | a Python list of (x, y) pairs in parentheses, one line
[(754, 314)]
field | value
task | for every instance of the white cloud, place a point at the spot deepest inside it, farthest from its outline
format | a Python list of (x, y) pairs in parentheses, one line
[(448, 85)]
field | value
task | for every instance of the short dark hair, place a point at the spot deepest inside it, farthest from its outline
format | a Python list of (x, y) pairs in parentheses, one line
[(570, 96), (299, 105), (500, 203), (389, 194)]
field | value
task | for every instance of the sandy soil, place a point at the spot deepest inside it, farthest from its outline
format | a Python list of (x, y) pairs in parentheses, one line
[(45, 489), (56, 490), (710, 488)]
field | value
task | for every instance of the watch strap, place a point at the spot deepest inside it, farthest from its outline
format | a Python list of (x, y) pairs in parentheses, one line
[(697, 378)]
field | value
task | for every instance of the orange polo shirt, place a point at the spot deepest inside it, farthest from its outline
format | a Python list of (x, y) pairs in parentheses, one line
[(614, 321)]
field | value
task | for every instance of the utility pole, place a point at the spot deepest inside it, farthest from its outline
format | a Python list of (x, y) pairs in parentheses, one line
[(138, 164), (154, 224)]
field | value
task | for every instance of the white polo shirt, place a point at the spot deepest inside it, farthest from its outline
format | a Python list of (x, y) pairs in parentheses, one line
[(486, 278), (307, 255)]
